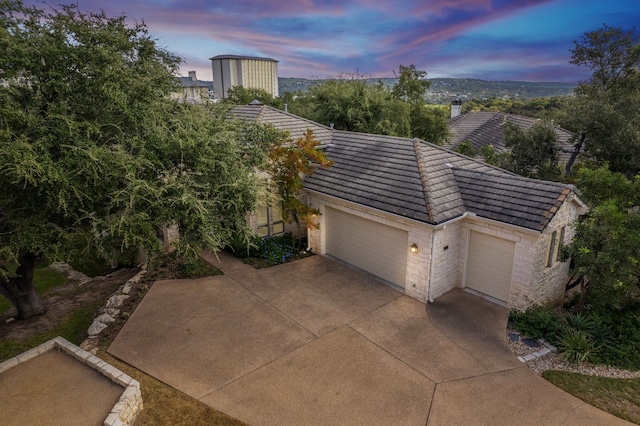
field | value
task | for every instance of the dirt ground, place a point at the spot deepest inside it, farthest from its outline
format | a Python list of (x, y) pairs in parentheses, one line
[(61, 301)]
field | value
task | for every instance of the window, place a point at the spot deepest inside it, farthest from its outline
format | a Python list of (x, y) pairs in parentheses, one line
[(561, 239), (269, 220), (552, 248)]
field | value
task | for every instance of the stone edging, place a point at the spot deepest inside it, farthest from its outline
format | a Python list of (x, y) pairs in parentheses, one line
[(109, 312), (546, 349), (126, 410)]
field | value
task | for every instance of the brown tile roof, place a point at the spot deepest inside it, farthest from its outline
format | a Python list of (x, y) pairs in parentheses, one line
[(485, 127)]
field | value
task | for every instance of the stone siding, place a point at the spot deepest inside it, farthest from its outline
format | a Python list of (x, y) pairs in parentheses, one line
[(532, 281), (448, 253)]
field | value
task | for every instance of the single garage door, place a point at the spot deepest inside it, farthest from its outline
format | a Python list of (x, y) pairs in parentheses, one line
[(490, 265), (376, 248)]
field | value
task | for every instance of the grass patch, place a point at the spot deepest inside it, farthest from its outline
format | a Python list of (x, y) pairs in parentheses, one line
[(164, 405), (74, 329), (620, 397), (44, 279)]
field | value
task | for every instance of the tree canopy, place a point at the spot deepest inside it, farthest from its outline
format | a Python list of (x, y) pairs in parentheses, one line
[(93, 152), (240, 95), (608, 105), (351, 103)]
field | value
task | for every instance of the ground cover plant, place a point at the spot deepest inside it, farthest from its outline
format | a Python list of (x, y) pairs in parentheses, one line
[(263, 252)]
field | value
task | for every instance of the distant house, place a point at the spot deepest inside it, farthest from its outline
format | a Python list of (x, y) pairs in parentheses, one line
[(246, 71), (485, 128), (193, 90), (425, 219)]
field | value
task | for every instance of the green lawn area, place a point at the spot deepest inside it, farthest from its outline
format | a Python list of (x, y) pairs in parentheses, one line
[(620, 397), (74, 329), (44, 279)]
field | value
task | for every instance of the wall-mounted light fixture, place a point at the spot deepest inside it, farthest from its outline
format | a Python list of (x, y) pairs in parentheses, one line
[(414, 248)]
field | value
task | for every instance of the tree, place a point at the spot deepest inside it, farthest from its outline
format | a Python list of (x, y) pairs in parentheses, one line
[(94, 152), (605, 252), (532, 152), (289, 161), (608, 105), (239, 95), (354, 105), (412, 84)]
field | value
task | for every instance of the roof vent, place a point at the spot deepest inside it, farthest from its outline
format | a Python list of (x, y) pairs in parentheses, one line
[(449, 165)]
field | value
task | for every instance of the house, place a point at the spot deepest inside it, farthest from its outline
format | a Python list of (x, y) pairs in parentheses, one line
[(426, 219), (193, 90), (483, 128), (246, 71)]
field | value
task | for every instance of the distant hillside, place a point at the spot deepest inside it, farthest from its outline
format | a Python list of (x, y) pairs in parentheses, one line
[(443, 90)]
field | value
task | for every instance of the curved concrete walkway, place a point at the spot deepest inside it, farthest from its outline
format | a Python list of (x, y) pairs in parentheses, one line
[(313, 342)]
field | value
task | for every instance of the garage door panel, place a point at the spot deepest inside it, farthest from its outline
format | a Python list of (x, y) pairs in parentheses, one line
[(368, 245), (490, 265)]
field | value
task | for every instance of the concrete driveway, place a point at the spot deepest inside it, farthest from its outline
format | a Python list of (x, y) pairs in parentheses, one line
[(313, 342)]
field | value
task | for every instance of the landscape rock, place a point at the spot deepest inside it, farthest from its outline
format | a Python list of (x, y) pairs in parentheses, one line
[(105, 319), (96, 328)]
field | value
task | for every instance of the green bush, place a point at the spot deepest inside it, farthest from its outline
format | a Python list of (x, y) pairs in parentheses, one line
[(623, 328), (539, 321), (277, 249), (576, 346)]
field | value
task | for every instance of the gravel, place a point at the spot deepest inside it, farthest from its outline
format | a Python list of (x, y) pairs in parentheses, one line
[(553, 361)]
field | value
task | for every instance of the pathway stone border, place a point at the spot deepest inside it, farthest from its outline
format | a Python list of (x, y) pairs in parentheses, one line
[(126, 410)]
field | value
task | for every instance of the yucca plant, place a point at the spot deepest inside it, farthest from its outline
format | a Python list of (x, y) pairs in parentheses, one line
[(576, 346)]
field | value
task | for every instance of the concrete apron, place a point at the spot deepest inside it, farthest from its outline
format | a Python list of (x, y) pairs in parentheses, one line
[(313, 342)]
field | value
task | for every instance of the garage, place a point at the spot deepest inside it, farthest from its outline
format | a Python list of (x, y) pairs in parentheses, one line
[(490, 265), (373, 247)]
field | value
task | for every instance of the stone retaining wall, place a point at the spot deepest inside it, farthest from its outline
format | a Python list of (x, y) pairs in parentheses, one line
[(126, 410)]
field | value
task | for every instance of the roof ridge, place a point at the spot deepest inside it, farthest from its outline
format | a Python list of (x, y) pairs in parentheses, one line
[(423, 178)]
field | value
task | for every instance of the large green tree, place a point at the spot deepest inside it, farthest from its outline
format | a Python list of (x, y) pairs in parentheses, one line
[(354, 104), (608, 105), (94, 153), (605, 251), (532, 152)]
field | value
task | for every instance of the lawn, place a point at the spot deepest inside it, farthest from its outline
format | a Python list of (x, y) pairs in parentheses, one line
[(620, 397)]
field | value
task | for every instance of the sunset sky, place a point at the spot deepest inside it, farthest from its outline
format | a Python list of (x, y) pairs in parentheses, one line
[(489, 39)]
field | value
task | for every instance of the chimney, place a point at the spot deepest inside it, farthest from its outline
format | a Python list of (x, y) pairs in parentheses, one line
[(456, 107), (192, 76)]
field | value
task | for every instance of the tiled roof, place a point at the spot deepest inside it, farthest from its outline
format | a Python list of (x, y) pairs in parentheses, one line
[(417, 180), (485, 127), (513, 199), (427, 183), (296, 126)]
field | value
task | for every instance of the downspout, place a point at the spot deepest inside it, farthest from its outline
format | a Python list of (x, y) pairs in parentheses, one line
[(431, 264), (308, 230)]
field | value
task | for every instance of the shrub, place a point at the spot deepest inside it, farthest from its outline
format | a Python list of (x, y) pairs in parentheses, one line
[(277, 249), (576, 346), (539, 321)]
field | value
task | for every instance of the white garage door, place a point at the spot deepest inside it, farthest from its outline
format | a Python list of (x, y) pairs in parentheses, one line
[(378, 249), (490, 265)]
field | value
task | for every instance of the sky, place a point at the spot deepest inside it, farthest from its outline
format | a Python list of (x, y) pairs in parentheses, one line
[(523, 40)]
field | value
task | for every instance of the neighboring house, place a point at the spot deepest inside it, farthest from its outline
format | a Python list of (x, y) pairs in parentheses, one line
[(193, 90), (485, 128), (426, 219), (246, 71)]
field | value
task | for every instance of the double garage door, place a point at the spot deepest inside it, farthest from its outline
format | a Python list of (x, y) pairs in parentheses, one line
[(490, 265), (376, 248)]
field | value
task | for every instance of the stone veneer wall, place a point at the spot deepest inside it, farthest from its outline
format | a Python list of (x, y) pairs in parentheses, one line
[(548, 282), (126, 410), (448, 261), (532, 282)]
